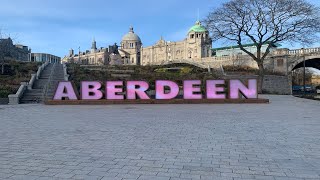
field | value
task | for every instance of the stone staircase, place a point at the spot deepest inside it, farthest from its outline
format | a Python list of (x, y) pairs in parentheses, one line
[(37, 93)]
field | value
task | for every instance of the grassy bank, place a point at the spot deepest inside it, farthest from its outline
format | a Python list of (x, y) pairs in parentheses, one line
[(14, 73), (176, 73)]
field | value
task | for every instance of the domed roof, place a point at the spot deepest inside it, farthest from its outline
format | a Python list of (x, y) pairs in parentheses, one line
[(198, 27), (131, 36)]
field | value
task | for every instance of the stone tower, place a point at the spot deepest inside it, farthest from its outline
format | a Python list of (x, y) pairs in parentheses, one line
[(71, 52), (131, 43), (199, 43), (93, 46)]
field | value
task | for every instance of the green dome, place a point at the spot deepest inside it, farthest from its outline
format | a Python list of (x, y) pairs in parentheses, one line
[(198, 27)]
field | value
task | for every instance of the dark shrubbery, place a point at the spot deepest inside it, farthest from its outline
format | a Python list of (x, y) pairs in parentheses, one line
[(146, 73), (14, 73), (246, 70)]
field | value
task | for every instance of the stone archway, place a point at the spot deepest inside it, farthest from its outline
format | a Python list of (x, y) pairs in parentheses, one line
[(313, 63)]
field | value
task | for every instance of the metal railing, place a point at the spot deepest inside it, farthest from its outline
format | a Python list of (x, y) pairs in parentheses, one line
[(48, 84)]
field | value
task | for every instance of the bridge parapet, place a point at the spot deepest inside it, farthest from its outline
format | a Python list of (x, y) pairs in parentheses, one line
[(297, 52)]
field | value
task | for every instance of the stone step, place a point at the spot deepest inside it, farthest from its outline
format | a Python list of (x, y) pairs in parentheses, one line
[(37, 91), (36, 94)]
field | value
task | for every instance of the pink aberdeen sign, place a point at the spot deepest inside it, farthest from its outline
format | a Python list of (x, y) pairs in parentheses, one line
[(164, 90)]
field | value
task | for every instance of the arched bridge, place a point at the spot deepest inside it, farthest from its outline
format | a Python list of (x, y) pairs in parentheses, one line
[(282, 60)]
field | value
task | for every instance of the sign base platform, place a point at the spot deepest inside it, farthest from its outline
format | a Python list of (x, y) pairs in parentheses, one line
[(158, 101)]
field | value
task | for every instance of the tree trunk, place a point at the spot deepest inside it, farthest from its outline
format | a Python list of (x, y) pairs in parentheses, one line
[(2, 68), (261, 77)]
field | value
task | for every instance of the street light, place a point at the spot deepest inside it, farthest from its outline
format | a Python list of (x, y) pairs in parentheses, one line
[(304, 72), (79, 56)]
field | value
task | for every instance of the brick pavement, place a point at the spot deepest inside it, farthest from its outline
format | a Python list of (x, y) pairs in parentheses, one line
[(280, 140)]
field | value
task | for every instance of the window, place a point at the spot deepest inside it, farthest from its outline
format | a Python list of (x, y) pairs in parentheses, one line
[(190, 54), (280, 62), (192, 36)]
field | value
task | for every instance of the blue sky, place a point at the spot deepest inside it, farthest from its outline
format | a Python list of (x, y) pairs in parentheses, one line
[(56, 26)]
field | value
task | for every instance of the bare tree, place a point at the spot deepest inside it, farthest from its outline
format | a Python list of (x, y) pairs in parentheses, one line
[(264, 22), (297, 76)]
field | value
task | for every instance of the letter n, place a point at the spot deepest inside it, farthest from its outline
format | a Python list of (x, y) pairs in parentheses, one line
[(236, 86)]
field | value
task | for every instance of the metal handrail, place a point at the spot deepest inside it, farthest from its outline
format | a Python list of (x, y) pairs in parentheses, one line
[(47, 86)]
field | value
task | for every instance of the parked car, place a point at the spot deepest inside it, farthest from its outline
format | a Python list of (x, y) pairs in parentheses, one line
[(318, 89), (300, 89)]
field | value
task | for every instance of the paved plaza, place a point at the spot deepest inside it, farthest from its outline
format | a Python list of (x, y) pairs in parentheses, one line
[(280, 140)]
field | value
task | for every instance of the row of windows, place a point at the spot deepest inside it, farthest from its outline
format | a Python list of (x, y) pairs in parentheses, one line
[(198, 36), (130, 45)]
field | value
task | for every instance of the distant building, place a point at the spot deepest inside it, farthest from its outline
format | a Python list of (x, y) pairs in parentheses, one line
[(315, 80), (130, 51), (235, 50), (16, 52), (43, 57), (196, 47), (93, 56)]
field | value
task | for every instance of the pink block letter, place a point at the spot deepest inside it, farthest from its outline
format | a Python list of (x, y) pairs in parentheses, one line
[(112, 90), (132, 90), (160, 89), (212, 89), (90, 90), (249, 92), (65, 90), (189, 89)]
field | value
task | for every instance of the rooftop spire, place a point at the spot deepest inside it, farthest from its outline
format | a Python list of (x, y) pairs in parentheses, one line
[(94, 44), (131, 29)]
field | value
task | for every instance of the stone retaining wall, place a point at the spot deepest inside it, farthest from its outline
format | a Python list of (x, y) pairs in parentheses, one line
[(274, 84), (4, 100)]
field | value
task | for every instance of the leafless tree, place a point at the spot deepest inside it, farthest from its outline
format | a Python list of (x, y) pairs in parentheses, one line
[(264, 22), (297, 76)]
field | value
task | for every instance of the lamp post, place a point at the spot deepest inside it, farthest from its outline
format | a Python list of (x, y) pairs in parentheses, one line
[(304, 72), (79, 56)]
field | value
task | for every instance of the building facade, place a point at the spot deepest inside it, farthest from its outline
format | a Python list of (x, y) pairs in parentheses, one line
[(94, 56), (43, 57), (10, 51), (236, 51), (196, 46), (130, 48)]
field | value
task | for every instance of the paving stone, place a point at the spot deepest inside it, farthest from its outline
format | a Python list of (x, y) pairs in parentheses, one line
[(87, 177), (279, 140)]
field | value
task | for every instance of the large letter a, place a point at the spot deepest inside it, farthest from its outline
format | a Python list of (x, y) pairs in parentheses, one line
[(65, 90)]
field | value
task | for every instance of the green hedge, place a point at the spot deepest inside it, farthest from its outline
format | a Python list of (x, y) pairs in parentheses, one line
[(14, 73)]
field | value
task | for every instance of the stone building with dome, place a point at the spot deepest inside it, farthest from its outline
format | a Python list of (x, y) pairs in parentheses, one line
[(195, 46), (130, 50)]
